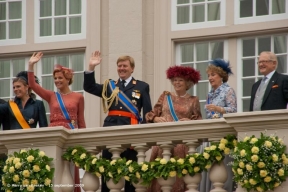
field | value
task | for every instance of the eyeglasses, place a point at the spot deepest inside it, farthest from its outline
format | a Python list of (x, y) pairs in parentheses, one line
[(263, 61)]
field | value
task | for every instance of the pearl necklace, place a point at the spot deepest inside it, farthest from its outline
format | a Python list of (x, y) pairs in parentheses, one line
[(65, 93), (180, 95)]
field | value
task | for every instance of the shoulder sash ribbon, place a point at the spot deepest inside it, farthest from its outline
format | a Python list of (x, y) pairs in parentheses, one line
[(63, 109), (18, 115), (171, 108), (126, 102)]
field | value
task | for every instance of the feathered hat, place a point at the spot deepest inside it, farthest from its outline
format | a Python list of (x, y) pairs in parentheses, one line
[(188, 73), (225, 65), (23, 75), (68, 73)]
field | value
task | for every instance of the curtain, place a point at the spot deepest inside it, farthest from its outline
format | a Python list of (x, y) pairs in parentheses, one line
[(45, 24), (213, 11), (74, 21), (15, 12)]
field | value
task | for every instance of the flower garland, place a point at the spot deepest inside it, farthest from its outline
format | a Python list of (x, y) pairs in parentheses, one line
[(28, 170)]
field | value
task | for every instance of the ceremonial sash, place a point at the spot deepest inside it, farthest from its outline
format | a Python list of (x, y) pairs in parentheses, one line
[(126, 102), (18, 115), (63, 109), (171, 108)]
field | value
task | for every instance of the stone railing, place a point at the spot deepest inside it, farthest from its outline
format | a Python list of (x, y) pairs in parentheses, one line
[(54, 140)]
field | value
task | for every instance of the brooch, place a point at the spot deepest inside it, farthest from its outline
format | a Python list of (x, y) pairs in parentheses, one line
[(31, 121), (215, 116), (73, 122), (134, 102)]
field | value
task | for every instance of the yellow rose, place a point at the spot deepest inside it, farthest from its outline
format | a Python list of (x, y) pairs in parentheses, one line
[(267, 179), (8, 190), (119, 171), (280, 141), (94, 161), (227, 151), (254, 158), (47, 181), (234, 142), (83, 156), (11, 169), (263, 173), (218, 158), (101, 169), (196, 154), (255, 150), (34, 182), (110, 174), (224, 141), (206, 155), (18, 165), (268, 144), (208, 166), (221, 146), (235, 149), (129, 162), (276, 184), (11, 159), (285, 161), (207, 148), (240, 171), (280, 172), (157, 159), (30, 188), (144, 167), (275, 157), (3, 183), (246, 139), (113, 162), (23, 151), (252, 182), (41, 153), (16, 178), (47, 167), (163, 161), (36, 168), (192, 160), (74, 151), (126, 178), (30, 158), (131, 169), (25, 182), (212, 147), (180, 161), (245, 181), (16, 160), (172, 160), (243, 153), (261, 165), (283, 156), (196, 169), (253, 140), (97, 174), (241, 164), (5, 168), (26, 173), (76, 164), (259, 189), (138, 175), (172, 173), (184, 171), (249, 167)]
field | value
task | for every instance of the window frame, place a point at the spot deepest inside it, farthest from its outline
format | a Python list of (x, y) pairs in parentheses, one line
[(198, 25), (55, 38), (22, 40)]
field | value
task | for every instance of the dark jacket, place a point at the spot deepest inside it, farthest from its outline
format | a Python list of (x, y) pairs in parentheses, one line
[(276, 93), (33, 109), (4, 118), (141, 87)]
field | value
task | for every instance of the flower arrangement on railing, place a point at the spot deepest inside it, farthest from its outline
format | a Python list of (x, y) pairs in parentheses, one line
[(28, 170), (192, 164), (260, 164), (140, 172)]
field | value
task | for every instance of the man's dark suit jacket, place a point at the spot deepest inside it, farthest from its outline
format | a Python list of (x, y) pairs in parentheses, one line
[(276, 93), (144, 101), (4, 119)]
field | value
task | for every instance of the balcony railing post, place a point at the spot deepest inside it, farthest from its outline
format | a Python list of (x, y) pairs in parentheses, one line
[(192, 146), (116, 151), (141, 149)]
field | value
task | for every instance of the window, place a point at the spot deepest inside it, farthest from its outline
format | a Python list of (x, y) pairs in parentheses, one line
[(45, 72), (191, 14), (251, 11), (198, 55), (59, 20), (249, 50), (12, 22)]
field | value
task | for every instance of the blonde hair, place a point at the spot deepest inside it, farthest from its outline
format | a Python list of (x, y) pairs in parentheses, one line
[(127, 58)]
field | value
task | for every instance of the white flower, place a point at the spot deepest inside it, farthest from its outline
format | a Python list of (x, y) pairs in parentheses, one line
[(47, 167), (74, 151), (131, 169), (23, 151), (172, 160), (83, 156), (144, 167), (180, 161), (94, 161), (129, 162), (113, 162), (41, 153), (163, 161)]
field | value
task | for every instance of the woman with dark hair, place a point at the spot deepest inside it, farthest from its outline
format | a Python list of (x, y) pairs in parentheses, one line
[(25, 111), (175, 106)]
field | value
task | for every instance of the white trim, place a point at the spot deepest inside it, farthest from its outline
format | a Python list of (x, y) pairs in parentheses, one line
[(55, 38), (190, 25), (21, 40), (239, 75)]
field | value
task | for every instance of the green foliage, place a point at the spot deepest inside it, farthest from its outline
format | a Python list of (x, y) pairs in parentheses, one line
[(142, 171)]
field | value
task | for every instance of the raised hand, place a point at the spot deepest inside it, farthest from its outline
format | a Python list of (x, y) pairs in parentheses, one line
[(95, 60), (159, 120), (35, 58)]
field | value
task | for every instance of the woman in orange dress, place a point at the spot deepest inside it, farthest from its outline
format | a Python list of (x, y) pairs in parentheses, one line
[(186, 108)]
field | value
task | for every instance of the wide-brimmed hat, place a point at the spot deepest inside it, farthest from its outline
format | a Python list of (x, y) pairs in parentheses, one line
[(188, 73)]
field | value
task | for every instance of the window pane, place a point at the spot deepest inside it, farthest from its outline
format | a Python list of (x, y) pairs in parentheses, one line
[(280, 44), (198, 13), (63, 60), (75, 7), (5, 69), (77, 82), (15, 29), (282, 64), (45, 27), (77, 62), (248, 48), (2, 11), (15, 10), (262, 7), (196, 1), (45, 8), (247, 86), (74, 25), (182, 1), (202, 105), (202, 90), (60, 26), (213, 11), (187, 53), (201, 51), (278, 6), (264, 44), (60, 7), (217, 50), (202, 68), (47, 64), (248, 67), (48, 82), (18, 65), (2, 30), (183, 14), (246, 105), (5, 88), (246, 8)]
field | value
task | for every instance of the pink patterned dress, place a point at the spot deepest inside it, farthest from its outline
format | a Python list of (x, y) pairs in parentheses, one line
[(186, 108)]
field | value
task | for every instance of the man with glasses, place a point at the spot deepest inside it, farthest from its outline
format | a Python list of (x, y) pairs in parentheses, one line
[(271, 92)]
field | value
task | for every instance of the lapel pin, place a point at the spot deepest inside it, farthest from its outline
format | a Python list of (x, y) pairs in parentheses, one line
[(134, 82)]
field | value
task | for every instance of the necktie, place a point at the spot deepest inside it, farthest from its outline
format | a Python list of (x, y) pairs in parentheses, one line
[(123, 83), (262, 83)]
